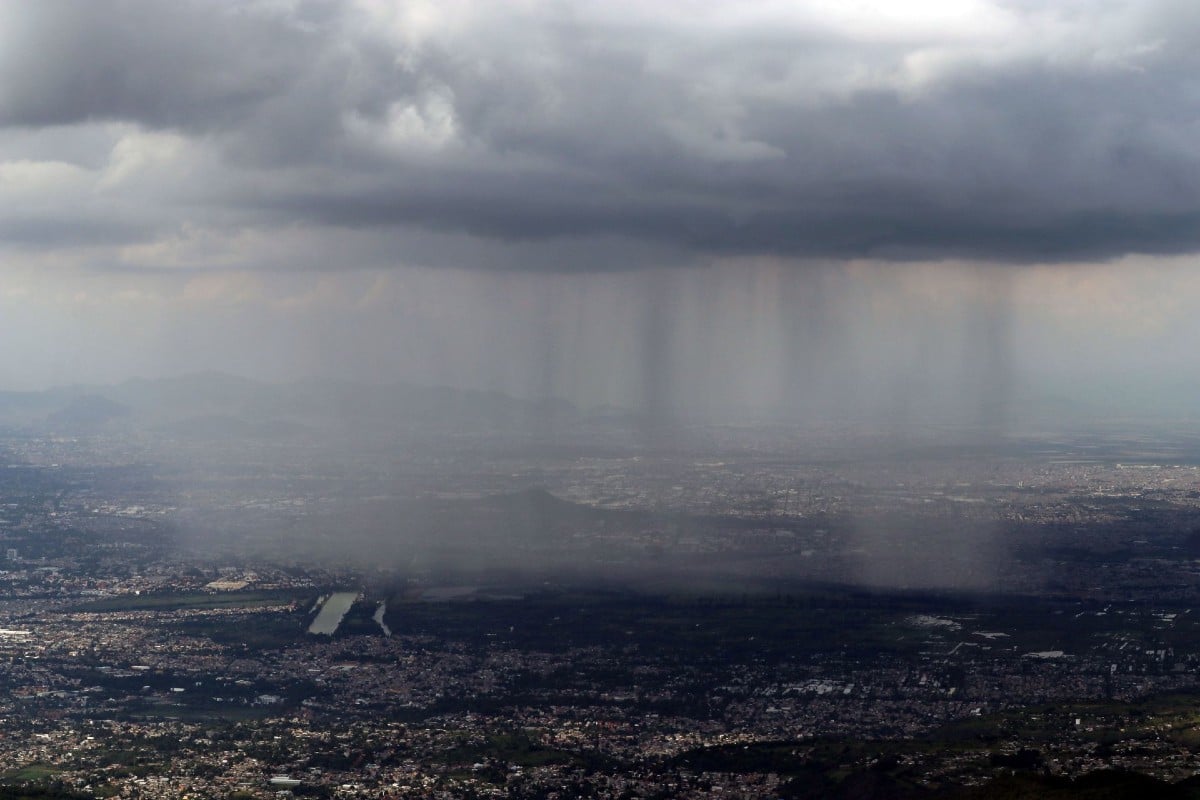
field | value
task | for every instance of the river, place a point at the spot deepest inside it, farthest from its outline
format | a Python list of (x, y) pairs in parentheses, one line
[(379, 612)]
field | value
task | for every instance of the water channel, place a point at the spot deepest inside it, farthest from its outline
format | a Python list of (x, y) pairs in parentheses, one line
[(332, 611)]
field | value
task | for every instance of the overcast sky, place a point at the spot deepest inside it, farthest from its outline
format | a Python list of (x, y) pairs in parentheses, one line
[(601, 200)]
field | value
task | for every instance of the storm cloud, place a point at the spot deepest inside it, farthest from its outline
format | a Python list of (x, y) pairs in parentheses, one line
[(598, 136)]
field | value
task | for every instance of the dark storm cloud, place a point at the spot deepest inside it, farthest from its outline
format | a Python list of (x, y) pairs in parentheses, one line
[(178, 64), (1017, 133)]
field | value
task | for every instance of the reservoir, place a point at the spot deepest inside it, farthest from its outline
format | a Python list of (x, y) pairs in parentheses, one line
[(332, 611)]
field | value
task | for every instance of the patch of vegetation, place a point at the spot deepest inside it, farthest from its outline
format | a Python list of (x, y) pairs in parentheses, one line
[(38, 793), (172, 601), (33, 773), (511, 748)]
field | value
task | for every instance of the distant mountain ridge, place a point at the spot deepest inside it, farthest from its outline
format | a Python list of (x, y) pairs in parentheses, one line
[(217, 405)]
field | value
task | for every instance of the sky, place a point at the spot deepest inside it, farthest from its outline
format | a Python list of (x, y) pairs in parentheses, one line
[(678, 206)]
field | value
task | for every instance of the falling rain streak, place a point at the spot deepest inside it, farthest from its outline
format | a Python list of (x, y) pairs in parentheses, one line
[(759, 340)]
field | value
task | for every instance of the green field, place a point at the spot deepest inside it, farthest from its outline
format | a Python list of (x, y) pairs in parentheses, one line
[(191, 600)]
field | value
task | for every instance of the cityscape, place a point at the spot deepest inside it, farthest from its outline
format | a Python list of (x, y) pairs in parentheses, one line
[(758, 612)]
